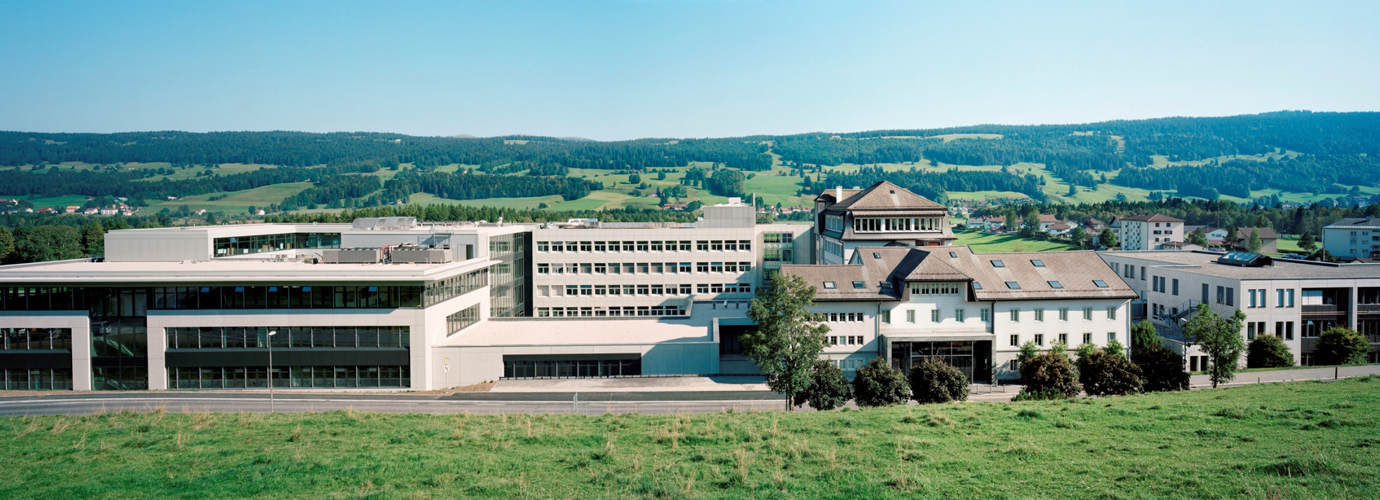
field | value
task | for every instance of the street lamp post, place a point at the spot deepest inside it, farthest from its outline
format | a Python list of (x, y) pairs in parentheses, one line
[(271, 333)]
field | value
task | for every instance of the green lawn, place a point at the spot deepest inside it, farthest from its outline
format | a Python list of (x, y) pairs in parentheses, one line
[(1296, 440), (58, 202), (233, 202), (1006, 242)]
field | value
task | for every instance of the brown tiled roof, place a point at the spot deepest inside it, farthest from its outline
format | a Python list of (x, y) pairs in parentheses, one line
[(1151, 218), (885, 196), (828, 195), (1075, 271), (1266, 233)]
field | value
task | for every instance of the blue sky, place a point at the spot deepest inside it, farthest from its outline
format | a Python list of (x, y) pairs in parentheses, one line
[(620, 70)]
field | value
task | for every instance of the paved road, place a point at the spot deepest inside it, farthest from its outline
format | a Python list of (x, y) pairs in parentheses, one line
[(477, 403), (1203, 381), (590, 403)]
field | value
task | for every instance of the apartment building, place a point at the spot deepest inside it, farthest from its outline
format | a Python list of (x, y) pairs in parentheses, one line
[(1148, 231), (1352, 238), (1294, 300), (974, 311)]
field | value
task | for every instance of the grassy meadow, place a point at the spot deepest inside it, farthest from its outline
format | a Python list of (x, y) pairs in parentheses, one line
[(1295, 440)]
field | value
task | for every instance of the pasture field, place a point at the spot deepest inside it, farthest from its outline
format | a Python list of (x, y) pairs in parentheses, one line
[(233, 202), (1290, 440), (982, 242)]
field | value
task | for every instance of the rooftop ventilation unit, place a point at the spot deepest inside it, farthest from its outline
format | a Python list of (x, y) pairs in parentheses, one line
[(419, 255), (352, 255), (1245, 259), (385, 223)]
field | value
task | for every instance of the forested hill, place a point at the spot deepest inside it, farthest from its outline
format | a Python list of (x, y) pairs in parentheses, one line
[(1289, 151), (1093, 146)]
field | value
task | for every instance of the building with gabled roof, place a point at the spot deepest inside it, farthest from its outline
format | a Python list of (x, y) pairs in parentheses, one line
[(1148, 231), (881, 214), (906, 303), (1353, 237)]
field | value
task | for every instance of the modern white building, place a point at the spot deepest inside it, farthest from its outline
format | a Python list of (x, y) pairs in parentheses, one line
[(849, 219), (908, 303), (1148, 231), (1294, 300), (1351, 238), (390, 303)]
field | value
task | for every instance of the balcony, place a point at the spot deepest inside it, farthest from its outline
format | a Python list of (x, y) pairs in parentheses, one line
[(1371, 309)]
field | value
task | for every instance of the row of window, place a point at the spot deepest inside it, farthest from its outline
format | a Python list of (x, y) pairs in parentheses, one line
[(959, 315), (646, 246), (611, 311), (833, 223), (645, 268), (778, 238), (1039, 339), (583, 368), (257, 337), (833, 247), (936, 288), (1063, 314), (241, 245), (462, 319), (35, 339), (682, 289), (287, 297), (841, 317), (36, 379), (455, 286), (101, 301), (240, 377), (896, 224), (846, 340)]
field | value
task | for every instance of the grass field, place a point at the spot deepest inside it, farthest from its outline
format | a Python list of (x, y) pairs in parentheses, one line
[(1296, 440), (1006, 242), (233, 202)]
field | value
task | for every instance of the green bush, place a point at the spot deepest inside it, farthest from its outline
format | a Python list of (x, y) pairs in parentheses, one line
[(934, 381), (878, 384), (1161, 370), (1027, 395), (1048, 372), (828, 387), (1340, 346), (1268, 351), (1108, 373)]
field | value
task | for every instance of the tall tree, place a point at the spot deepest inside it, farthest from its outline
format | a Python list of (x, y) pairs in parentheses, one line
[(44, 243), (1143, 337), (1107, 239), (1253, 244), (1220, 338), (1307, 243), (93, 238), (6, 245), (788, 338)]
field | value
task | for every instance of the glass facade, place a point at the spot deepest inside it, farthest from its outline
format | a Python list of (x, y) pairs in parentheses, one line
[(508, 279), (35, 339), (287, 297), (516, 367), (242, 245), (235, 337), (36, 379), (238, 377), (462, 319), (973, 358), (455, 286)]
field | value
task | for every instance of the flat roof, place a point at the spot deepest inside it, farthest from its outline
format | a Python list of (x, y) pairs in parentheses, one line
[(636, 330), (1205, 263), (237, 270)]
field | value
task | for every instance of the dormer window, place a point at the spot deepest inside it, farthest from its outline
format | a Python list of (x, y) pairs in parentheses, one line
[(977, 286), (829, 285)]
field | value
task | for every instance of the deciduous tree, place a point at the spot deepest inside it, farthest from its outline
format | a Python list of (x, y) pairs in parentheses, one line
[(1220, 338), (788, 338), (1340, 346)]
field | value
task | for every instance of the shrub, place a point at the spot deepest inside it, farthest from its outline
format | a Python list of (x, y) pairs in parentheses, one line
[(1161, 370), (828, 387), (1027, 395), (878, 384), (1268, 351), (934, 381), (1107, 372), (1048, 372), (1340, 346)]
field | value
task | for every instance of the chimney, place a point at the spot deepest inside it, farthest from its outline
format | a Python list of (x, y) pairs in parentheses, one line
[(838, 194)]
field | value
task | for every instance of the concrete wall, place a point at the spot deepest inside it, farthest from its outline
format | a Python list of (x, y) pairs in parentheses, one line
[(1100, 326), (80, 325)]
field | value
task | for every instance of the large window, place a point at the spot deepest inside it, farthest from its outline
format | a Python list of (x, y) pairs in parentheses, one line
[(462, 319), (236, 377), (896, 224), (287, 297), (36, 339), (235, 337), (241, 245)]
